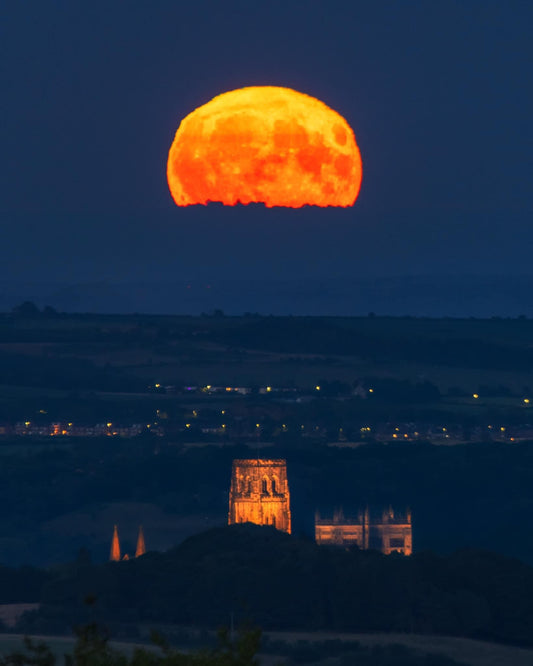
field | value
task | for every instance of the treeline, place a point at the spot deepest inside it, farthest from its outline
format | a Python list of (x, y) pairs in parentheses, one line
[(286, 583)]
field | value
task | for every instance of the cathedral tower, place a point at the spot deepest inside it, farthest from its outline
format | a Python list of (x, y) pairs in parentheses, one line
[(259, 493)]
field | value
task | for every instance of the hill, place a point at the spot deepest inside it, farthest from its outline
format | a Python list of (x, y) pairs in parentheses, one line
[(285, 583)]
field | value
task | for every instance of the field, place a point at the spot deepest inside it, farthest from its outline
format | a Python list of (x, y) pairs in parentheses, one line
[(60, 645), (470, 652), (49, 357)]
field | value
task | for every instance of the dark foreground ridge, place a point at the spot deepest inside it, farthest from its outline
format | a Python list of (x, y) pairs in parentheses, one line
[(283, 582)]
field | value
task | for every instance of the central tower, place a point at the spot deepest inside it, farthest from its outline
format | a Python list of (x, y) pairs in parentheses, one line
[(259, 493)]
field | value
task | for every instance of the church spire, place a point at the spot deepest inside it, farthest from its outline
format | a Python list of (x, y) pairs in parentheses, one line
[(141, 547), (114, 555)]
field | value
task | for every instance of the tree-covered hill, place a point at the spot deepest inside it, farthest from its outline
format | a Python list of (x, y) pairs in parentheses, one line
[(282, 582)]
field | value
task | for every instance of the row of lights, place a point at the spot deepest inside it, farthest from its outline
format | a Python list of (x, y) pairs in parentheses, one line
[(284, 426), (526, 401), (364, 429), (317, 388), (229, 389)]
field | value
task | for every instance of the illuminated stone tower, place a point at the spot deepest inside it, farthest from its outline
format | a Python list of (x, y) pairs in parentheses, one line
[(259, 494), (141, 546), (114, 555)]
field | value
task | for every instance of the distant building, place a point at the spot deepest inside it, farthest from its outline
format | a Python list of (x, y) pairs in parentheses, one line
[(259, 493), (387, 533)]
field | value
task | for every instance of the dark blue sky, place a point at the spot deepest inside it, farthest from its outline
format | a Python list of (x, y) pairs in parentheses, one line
[(439, 95)]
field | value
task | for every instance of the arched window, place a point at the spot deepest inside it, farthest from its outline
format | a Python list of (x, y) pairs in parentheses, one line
[(249, 486), (274, 489), (264, 486)]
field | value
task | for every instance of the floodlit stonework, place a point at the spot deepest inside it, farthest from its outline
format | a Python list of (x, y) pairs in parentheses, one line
[(259, 493), (114, 554), (141, 546), (388, 532)]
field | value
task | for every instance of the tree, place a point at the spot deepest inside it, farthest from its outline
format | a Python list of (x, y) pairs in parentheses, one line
[(26, 309)]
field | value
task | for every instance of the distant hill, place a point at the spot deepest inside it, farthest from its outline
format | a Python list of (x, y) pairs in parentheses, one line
[(416, 295)]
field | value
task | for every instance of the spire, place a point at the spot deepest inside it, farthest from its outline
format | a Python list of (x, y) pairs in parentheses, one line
[(114, 555), (141, 547)]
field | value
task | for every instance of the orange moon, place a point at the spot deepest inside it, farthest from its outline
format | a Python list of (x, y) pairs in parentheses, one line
[(264, 144)]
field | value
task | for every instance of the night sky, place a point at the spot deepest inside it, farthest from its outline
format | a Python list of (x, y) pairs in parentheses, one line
[(439, 95)]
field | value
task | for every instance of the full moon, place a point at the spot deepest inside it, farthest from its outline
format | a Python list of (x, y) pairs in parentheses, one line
[(268, 145)]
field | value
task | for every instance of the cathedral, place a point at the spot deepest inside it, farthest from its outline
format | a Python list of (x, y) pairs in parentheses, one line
[(259, 493)]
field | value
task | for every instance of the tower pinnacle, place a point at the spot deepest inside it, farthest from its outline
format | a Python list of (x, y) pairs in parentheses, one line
[(114, 555), (141, 546)]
